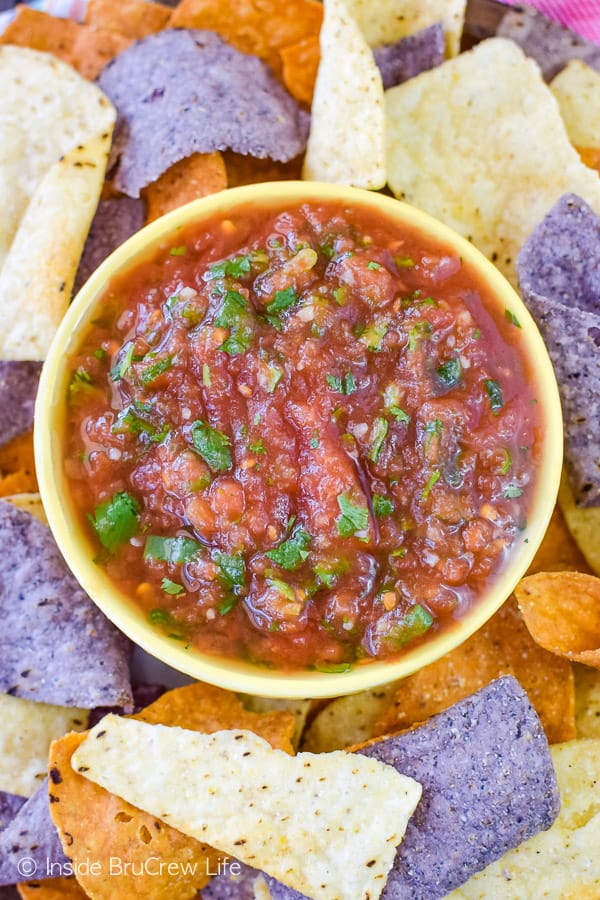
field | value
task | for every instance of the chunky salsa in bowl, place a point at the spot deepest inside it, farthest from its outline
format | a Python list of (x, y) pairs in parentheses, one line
[(297, 430)]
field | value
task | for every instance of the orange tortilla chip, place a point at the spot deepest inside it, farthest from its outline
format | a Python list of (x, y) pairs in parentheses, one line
[(562, 612), (133, 19), (52, 889), (260, 27), (590, 157), (94, 824), (300, 63), (558, 551), (17, 467), (248, 170), (193, 177), (502, 647), (84, 48)]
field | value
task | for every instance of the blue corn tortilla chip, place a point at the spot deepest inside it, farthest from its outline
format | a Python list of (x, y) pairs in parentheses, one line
[(232, 884), (549, 43), (18, 387), (143, 696), (559, 277), (181, 91), (55, 644), (10, 804), (116, 220), (488, 785), (410, 55), (31, 836), (9, 892)]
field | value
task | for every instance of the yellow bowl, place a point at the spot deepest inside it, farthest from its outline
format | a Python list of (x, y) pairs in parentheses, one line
[(78, 550)]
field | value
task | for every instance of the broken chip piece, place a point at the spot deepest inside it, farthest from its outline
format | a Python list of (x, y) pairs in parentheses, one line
[(410, 56), (164, 116), (31, 835), (577, 90), (10, 804), (18, 387), (264, 807), (55, 646), (195, 176), (386, 21), (559, 278), (115, 220), (134, 19)]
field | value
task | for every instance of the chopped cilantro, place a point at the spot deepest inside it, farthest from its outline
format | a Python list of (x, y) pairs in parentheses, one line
[(340, 295), (237, 342), (128, 422), (418, 331), (178, 251), (116, 520), (374, 266), (121, 370), (231, 309), (325, 576), (282, 587), (212, 445), (227, 604), (450, 372), (404, 262), (432, 429), (477, 334), (80, 380), (399, 553), (157, 369), (510, 317), (512, 492), (100, 353), (160, 616), (379, 434), (235, 268), (353, 518), (171, 587), (415, 622), (232, 570), (292, 553), (433, 479), (346, 386), (275, 376), (400, 415), (282, 300), (314, 441), (506, 463), (382, 506), (494, 392), (257, 447), (373, 335), (206, 379), (174, 550)]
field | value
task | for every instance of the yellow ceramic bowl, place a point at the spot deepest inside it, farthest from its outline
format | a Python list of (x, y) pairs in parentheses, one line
[(76, 545)]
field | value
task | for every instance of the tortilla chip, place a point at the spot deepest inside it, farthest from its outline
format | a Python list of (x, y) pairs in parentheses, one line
[(349, 720), (28, 729), (21, 482), (584, 524), (300, 64), (564, 861), (259, 27), (18, 387), (502, 647), (52, 889), (249, 884), (31, 835), (386, 21), (562, 612), (17, 466), (587, 701), (134, 19), (558, 550), (55, 645), (298, 708), (577, 90), (546, 41), (516, 171), (590, 156), (163, 118), (96, 836), (348, 91), (116, 219), (410, 56), (248, 170), (10, 804), (86, 49), (268, 809), (488, 784), (196, 176)]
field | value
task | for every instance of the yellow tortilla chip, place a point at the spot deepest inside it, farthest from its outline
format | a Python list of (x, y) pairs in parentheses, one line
[(386, 21), (349, 720), (590, 156), (346, 144), (577, 90), (95, 825), (86, 49), (298, 708), (52, 889), (584, 524), (55, 130), (300, 64), (302, 819), (558, 551), (587, 701), (479, 143), (27, 731), (562, 612), (134, 19), (248, 170), (193, 177), (502, 647), (31, 503), (562, 863)]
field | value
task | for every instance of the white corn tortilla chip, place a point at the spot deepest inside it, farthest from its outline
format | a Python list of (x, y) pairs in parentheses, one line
[(349, 720), (346, 144), (577, 90), (564, 861), (479, 143), (31, 503), (583, 523), (587, 701), (47, 113), (327, 825), (27, 731), (386, 21), (298, 708)]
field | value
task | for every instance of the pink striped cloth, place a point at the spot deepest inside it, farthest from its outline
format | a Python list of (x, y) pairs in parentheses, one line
[(582, 16)]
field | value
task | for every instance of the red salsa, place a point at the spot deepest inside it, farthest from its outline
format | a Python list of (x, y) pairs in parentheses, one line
[(303, 437)]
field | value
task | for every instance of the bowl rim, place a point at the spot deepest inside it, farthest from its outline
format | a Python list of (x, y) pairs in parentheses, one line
[(77, 549)]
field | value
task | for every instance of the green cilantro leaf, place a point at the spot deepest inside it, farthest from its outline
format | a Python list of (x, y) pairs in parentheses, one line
[(121, 370), (235, 268), (450, 372), (510, 317), (400, 415), (171, 549), (234, 304), (282, 300), (382, 506), (414, 623), (494, 392), (156, 370), (232, 569), (353, 518), (171, 587), (512, 492), (432, 480), (379, 433), (292, 553), (212, 445), (116, 520)]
